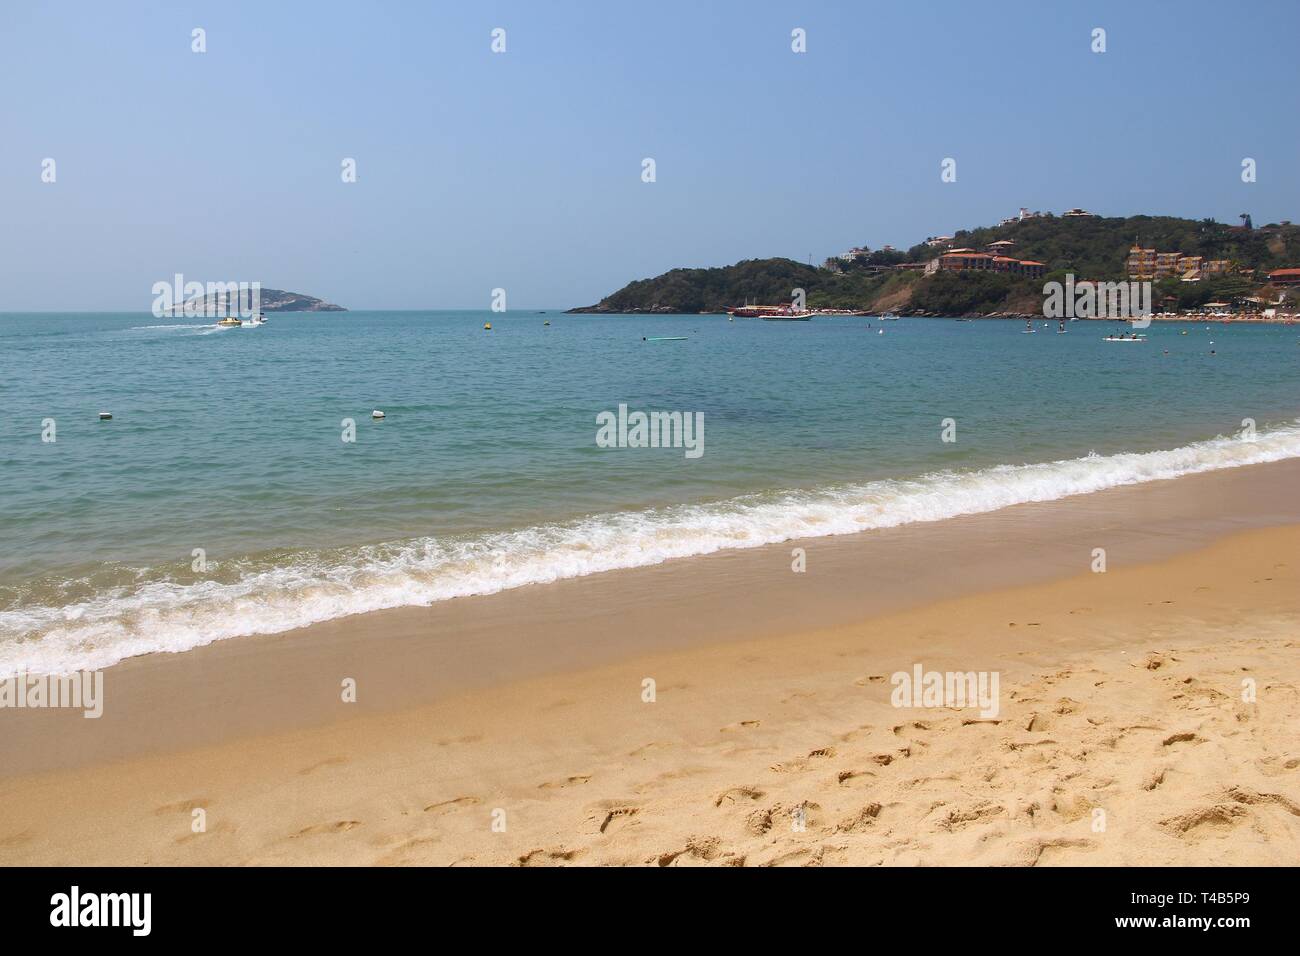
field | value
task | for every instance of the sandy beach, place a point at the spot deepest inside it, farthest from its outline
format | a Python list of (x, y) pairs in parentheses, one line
[(1146, 715)]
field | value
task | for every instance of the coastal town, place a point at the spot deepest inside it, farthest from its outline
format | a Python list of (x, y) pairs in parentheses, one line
[(1273, 297), (1198, 269)]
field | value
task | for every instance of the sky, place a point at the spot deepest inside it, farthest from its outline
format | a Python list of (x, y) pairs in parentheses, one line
[(523, 170)]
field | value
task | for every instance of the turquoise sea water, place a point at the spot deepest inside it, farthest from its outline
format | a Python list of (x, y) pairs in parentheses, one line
[(486, 473)]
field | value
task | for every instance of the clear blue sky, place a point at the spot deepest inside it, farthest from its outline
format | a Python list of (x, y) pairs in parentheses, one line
[(523, 170)]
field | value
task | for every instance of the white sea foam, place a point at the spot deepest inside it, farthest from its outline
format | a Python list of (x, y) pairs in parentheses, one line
[(167, 616)]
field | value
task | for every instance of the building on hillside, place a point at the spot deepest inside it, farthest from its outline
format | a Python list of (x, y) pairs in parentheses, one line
[(1149, 264), (970, 261), (1001, 246), (1077, 213), (1030, 268), (1141, 263), (1284, 277), (935, 242), (1166, 264)]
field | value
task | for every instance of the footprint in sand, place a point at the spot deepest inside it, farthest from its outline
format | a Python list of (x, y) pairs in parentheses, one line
[(737, 794), (854, 778), (1221, 816), (860, 820), (1155, 778), (540, 857), (698, 850), (1274, 766), (446, 806), (338, 826), (612, 816), (1255, 798), (652, 745), (1048, 850), (740, 725), (798, 765), (849, 735), (573, 781), (328, 762)]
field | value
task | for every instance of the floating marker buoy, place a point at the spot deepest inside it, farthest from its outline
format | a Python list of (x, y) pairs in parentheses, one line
[(105, 416), (547, 322), (376, 414), (487, 326)]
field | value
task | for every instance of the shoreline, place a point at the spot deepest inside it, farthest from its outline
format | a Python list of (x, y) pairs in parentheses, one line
[(1118, 694), (772, 693), (408, 656), (60, 637), (904, 313)]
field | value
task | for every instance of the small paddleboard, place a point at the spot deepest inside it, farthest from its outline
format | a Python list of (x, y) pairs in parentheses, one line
[(665, 338)]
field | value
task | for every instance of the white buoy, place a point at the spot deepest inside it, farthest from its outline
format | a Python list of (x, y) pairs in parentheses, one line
[(105, 416), (376, 414)]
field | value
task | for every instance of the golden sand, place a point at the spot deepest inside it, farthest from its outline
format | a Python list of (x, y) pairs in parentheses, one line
[(1148, 715)]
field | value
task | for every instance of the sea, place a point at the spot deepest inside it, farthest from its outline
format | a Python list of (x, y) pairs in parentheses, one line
[(243, 487)]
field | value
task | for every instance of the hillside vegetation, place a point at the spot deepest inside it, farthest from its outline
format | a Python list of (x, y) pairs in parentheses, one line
[(1089, 248)]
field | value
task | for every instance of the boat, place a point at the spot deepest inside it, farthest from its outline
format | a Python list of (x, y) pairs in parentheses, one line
[(258, 319), (771, 312), (1125, 338), (230, 320)]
